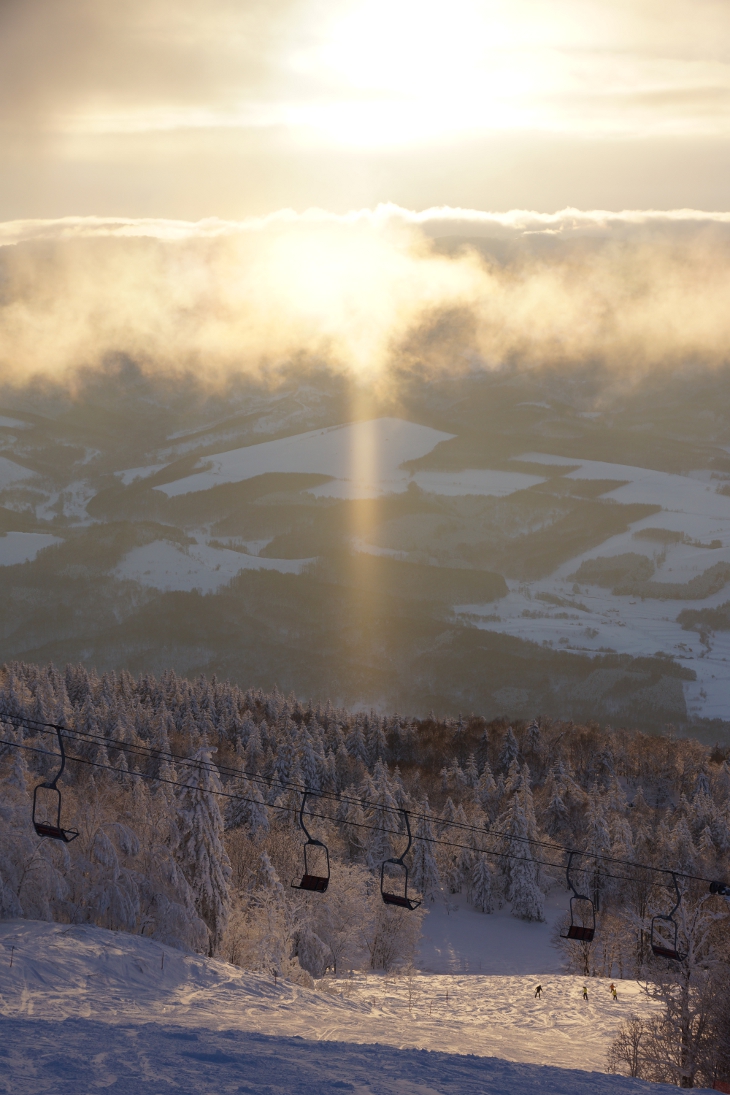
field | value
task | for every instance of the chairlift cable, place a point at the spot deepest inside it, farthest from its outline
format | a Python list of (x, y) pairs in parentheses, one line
[(151, 753), (352, 824), (267, 781)]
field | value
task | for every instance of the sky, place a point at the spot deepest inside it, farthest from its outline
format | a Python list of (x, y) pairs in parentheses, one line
[(237, 108)]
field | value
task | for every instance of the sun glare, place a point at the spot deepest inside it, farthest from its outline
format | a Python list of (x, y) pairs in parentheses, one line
[(410, 71)]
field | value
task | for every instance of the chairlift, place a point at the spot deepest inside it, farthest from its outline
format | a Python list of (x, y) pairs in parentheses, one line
[(311, 880), (668, 949), (402, 900), (722, 889), (582, 933), (52, 801)]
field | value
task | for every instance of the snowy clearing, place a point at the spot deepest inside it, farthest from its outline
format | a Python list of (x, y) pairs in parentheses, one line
[(13, 423), (458, 939), (131, 475), (10, 473), (363, 457), (21, 547), (78, 972), (167, 566), (486, 481), (591, 619)]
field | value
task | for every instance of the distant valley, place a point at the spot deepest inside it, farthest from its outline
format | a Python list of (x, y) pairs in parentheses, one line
[(510, 544)]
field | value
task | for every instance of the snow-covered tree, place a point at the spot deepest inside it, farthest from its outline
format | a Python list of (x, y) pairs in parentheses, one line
[(424, 870), (202, 852), (481, 885)]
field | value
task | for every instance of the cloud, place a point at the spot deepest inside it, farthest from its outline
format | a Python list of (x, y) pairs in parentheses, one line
[(369, 293), (65, 60), (81, 66)]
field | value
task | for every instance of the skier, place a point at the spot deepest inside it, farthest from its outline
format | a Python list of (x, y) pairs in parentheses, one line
[(538, 992), (614, 994), (585, 992)]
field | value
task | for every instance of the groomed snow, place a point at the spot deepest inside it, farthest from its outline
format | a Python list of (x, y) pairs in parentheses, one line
[(167, 566), (458, 939), (22, 547), (77, 972), (363, 457), (83, 1055)]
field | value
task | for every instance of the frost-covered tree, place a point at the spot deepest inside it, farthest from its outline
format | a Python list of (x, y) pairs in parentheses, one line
[(528, 902), (510, 750), (424, 870), (202, 852), (481, 885)]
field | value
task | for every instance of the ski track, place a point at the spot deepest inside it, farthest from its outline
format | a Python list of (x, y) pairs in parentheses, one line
[(131, 1008)]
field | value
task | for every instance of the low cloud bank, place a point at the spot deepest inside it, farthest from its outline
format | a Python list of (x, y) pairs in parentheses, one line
[(366, 292)]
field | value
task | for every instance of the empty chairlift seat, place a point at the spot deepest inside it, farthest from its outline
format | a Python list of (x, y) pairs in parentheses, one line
[(394, 888), (316, 876), (47, 804), (582, 927)]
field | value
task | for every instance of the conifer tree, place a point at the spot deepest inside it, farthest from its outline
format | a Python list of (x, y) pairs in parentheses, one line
[(523, 891), (424, 870), (481, 885), (510, 750), (202, 853)]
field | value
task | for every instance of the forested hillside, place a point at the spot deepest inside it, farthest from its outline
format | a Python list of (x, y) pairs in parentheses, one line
[(186, 797)]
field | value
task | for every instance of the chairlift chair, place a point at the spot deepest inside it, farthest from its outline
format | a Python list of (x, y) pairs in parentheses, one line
[(722, 889), (402, 900), (52, 799), (582, 933), (667, 949), (311, 880)]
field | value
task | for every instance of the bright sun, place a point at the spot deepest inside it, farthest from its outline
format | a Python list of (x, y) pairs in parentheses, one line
[(412, 70)]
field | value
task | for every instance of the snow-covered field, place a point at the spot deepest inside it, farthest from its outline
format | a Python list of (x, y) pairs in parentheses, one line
[(363, 458), (127, 1002), (592, 619), (167, 566), (21, 547), (13, 423), (10, 472)]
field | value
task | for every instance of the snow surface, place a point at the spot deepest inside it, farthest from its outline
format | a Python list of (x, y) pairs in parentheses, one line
[(79, 972), (167, 566), (13, 423), (458, 939), (130, 475), (485, 481), (10, 472), (21, 547), (80, 1056), (363, 458), (627, 625)]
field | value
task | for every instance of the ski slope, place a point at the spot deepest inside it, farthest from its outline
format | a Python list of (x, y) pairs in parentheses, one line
[(128, 1004), (83, 1056)]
